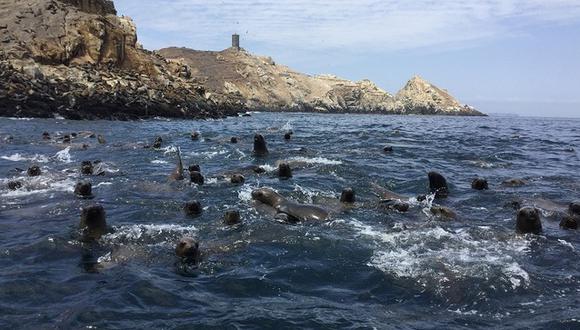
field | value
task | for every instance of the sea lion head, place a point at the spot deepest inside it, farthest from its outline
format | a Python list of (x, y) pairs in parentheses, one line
[(570, 222), (46, 136), (479, 184), (438, 185), (93, 222), (234, 139), (237, 179), (528, 221), (193, 208), (267, 196), (348, 196), (14, 185), (232, 217), (83, 189), (260, 147), (196, 177), (34, 170), (284, 171), (188, 249), (87, 167), (574, 208)]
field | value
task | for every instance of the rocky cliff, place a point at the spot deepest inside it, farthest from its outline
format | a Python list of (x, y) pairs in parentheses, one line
[(78, 59), (266, 85)]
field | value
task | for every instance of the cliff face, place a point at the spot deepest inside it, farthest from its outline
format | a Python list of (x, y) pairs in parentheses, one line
[(263, 84), (85, 62)]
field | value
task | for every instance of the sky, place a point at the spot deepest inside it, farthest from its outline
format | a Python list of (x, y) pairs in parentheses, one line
[(501, 56)]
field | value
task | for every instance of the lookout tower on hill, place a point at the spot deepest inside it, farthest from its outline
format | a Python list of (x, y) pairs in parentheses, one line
[(236, 41)]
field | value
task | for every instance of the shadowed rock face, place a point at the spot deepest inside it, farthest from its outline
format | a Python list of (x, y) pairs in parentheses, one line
[(265, 85), (78, 59)]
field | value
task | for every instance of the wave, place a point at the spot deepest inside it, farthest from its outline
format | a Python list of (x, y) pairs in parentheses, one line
[(316, 160)]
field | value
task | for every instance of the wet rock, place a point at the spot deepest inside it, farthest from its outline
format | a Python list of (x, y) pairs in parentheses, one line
[(284, 171), (528, 221), (348, 196), (84, 189), (237, 179), (232, 217), (34, 171), (193, 208), (479, 184), (438, 185), (196, 177)]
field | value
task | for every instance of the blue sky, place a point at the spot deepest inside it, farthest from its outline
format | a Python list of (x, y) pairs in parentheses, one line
[(504, 56)]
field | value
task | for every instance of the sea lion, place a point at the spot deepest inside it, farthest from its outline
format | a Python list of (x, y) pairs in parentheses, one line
[(196, 177), (177, 173), (101, 139), (442, 212), (83, 189), (479, 184), (232, 217), (237, 179), (258, 169), (34, 171), (14, 185), (390, 199), (234, 140), (260, 146), (66, 139), (528, 221), (513, 183), (438, 185), (195, 135), (194, 168), (570, 222), (46, 136), (288, 135), (388, 149), (193, 208), (287, 210), (93, 222), (284, 171), (157, 143), (396, 205), (348, 196), (574, 208), (87, 167), (188, 249)]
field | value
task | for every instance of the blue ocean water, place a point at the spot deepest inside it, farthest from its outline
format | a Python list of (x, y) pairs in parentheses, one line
[(365, 268)]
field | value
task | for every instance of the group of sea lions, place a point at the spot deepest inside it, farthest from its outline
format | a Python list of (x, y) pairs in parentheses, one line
[(93, 222)]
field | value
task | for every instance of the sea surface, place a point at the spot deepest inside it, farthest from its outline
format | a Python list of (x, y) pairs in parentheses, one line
[(365, 268)]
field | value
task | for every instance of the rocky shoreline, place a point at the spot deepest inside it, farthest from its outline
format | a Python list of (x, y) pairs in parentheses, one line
[(77, 59)]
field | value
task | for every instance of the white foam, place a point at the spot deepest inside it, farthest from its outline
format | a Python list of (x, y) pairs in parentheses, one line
[(311, 193), (159, 161), (144, 233), (64, 155), (40, 185), (19, 158), (287, 127), (433, 256), (316, 160)]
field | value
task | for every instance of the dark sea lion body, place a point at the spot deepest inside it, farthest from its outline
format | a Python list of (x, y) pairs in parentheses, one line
[(188, 249), (528, 221), (291, 211), (93, 222), (260, 146), (438, 185)]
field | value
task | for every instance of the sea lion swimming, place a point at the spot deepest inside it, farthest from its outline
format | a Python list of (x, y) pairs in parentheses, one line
[(528, 221), (188, 249), (260, 146), (14, 185), (193, 208), (570, 222), (34, 171), (87, 167), (284, 171), (237, 179), (391, 200), (438, 185), (83, 189), (348, 196), (46, 136), (195, 135), (479, 184), (93, 222), (177, 174), (196, 177), (287, 210), (232, 217)]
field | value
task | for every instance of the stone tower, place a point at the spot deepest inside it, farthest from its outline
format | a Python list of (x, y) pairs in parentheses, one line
[(236, 41)]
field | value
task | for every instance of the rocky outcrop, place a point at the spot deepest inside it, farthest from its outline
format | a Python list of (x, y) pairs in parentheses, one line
[(265, 85), (78, 59)]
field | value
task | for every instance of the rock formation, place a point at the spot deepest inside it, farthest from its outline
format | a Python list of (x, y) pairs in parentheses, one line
[(76, 58), (266, 85)]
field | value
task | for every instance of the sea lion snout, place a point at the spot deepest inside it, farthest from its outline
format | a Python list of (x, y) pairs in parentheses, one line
[(188, 248)]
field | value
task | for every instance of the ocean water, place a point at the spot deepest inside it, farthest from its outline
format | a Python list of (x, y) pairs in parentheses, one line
[(365, 268)]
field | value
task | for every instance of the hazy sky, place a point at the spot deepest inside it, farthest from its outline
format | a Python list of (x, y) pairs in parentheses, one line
[(517, 56)]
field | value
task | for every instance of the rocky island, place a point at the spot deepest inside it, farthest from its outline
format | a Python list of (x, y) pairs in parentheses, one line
[(79, 60)]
